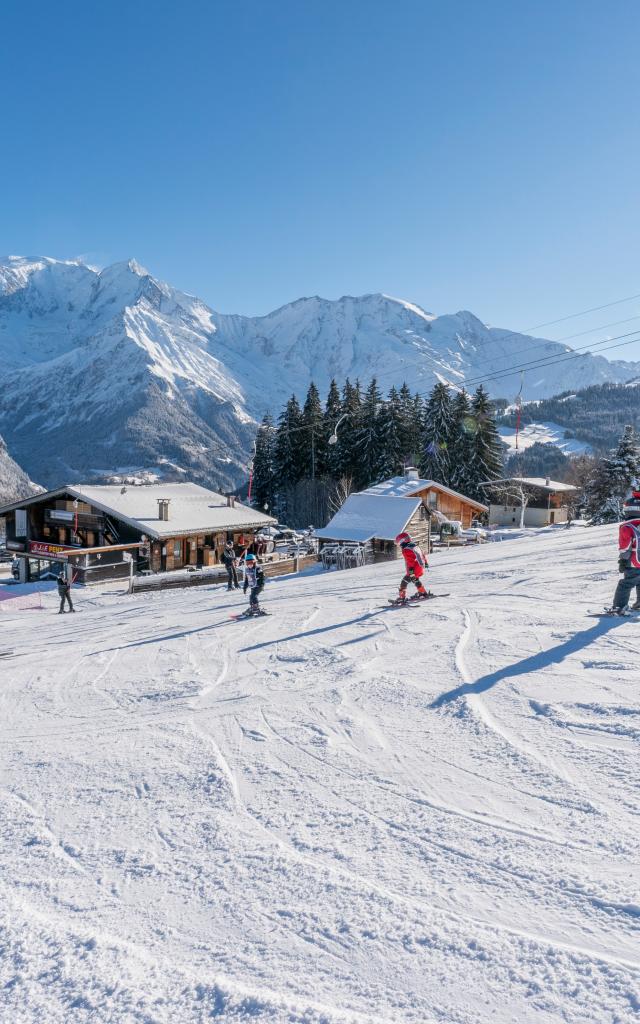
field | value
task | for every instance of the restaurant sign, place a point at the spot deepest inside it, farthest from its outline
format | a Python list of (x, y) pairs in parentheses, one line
[(43, 550)]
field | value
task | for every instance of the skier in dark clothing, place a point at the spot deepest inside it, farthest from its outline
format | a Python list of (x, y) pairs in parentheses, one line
[(229, 559), (628, 555), (64, 593), (254, 583)]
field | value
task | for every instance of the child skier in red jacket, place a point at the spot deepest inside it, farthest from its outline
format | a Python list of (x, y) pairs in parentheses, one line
[(415, 564), (628, 556)]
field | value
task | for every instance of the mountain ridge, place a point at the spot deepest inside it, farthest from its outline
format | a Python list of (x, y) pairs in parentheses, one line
[(113, 370)]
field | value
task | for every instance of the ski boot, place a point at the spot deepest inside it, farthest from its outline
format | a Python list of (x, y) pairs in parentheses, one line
[(422, 595)]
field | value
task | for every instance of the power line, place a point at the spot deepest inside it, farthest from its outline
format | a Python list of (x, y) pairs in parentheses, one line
[(541, 361), (541, 364), (572, 316), (546, 341), (536, 364)]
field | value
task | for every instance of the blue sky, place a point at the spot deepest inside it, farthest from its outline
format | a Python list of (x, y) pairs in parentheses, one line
[(476, 155)]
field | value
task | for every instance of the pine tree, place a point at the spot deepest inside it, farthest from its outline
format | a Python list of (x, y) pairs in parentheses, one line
[(390, 462), (289, 464), (613, 479), (487, 447), (438, 435), (312, 438), (416, 429), (347, 456), (411, 427), (330, 463), (462, 445), (264, 473), (367, 439)]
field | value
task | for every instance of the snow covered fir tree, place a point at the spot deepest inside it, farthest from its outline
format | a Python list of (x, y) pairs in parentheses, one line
[(612, 479), (298, 473)]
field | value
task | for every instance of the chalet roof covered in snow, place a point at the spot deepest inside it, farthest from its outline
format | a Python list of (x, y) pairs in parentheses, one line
[(364, 516), (407, 487), (538, 482), (192, 509)]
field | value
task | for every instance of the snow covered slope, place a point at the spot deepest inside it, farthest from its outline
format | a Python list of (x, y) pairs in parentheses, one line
[(114, 371), (14, 482), (542, 433), (341, 814)]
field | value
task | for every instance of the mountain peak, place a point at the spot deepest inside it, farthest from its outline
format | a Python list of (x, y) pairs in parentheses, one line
[(131, 266)]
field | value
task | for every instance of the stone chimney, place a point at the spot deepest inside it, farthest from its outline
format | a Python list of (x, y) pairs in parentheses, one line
[(231, 500), (411, 473), (547, 482), (163, 509)]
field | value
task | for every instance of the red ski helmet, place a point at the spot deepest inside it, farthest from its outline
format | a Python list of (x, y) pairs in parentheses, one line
[(403, 538), (631, 506)]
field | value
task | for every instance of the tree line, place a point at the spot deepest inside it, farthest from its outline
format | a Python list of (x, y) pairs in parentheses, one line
[(301, 477), (596, 415)]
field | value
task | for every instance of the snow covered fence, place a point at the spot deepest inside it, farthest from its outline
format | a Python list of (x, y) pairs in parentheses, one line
[(198, 577)]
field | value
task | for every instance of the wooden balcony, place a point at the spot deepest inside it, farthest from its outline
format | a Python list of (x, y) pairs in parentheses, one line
[(86, 520)]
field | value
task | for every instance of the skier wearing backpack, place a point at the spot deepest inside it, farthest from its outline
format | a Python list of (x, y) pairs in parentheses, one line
[(628, 555), (415, 564), (254, 583)]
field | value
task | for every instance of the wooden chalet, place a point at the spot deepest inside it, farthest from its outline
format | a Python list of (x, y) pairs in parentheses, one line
[(434, 496), (166, 526), (373, 521)]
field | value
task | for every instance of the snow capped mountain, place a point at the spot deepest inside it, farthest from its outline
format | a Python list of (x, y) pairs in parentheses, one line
[(395, 340), (14, 482), (113, 372)]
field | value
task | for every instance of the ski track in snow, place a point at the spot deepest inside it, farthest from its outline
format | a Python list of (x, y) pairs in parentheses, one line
[(331, 815)]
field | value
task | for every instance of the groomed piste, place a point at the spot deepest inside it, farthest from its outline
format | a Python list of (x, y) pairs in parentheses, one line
[(339, 813)]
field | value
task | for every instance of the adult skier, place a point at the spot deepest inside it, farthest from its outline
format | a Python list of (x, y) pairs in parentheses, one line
[(415, 564), (64, 593), (254, 583), (230, 562), (628, 555)]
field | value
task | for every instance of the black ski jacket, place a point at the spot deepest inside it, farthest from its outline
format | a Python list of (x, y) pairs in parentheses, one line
[(228, 556)]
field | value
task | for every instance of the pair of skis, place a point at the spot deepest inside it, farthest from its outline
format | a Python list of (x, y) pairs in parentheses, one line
[(249, 615), (613, 613), (413, 601)]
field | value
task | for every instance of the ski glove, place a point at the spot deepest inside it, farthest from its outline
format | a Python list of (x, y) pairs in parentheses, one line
[(623, 564)]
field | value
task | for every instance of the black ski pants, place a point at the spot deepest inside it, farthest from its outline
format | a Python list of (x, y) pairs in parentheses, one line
[(254, 594), (232, 576), (630, 580), (411, 577)]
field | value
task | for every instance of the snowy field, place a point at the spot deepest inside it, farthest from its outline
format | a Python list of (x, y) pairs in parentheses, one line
[(342, 813), (542, 433)]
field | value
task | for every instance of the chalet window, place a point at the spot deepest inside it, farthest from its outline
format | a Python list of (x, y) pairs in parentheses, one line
[(432, 499), (21, 522), (177, 549)]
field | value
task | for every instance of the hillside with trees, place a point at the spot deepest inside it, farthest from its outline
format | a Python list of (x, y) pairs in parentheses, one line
[(596, 415)]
